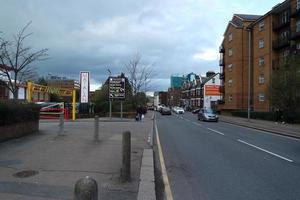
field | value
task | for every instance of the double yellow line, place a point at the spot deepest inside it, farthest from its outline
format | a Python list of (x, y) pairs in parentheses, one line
[(168, 192)]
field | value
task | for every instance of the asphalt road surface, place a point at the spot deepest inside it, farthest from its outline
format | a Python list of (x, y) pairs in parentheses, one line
[(220, 161)]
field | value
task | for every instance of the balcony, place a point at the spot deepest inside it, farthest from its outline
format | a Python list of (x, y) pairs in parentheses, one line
[(280, 43), (222, 89), (221, 49), (280, 25), (295, 35), (222, 76), (295, 13), (221, 62)]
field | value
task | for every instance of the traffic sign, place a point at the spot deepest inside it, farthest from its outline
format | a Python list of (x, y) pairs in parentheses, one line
[(116, 88)]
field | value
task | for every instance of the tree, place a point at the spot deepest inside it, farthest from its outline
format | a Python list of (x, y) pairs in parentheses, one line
[(285, 86), (139, 75), (17, 60)]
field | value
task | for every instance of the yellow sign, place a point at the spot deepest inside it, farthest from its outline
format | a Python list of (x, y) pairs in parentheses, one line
[(31, 87)]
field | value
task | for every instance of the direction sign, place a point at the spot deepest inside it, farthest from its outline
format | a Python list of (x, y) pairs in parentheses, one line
[(116, 88)]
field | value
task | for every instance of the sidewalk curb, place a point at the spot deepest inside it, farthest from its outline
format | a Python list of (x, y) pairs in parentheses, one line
[(263, 129), (147, 182)]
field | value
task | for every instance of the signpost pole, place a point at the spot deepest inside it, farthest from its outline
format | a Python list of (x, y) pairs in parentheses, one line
[(110, 109), (121, 110)]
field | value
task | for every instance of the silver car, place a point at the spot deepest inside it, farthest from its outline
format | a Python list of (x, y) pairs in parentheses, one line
[(207, 114)]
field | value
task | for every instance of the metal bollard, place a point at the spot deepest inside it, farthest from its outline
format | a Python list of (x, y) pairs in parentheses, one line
[(86, 189), (96, 134), (126, 148), (61, 124)]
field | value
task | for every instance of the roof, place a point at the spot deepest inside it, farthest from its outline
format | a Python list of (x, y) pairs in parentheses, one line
[(209, 78), (248, 17)]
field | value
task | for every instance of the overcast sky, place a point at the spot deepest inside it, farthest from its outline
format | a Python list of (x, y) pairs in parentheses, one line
[(177, 36)]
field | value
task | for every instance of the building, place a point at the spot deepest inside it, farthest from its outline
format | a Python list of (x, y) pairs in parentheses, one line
[(176, 81), (201, 91), (174, 95), (253, 47)]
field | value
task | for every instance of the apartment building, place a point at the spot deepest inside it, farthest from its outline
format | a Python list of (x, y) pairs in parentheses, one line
[(270, 38)]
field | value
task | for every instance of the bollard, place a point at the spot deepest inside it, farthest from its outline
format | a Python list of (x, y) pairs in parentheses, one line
[(61, 124), (126, 148), (86, 189), (96, 134)]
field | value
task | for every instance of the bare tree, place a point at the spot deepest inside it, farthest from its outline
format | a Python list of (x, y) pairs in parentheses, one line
[(16, 60), (139, 75)]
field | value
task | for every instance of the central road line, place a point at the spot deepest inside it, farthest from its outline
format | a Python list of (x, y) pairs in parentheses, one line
[(216, 131), (269, 152)]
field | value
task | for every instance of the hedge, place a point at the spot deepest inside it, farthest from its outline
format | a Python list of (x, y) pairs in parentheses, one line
[(12, 112)]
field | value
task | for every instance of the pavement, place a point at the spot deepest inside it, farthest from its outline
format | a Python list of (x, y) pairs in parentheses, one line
[(46, 165), (291, 130)]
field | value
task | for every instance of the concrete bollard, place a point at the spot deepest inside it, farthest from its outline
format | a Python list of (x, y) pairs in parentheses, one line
[(126, 151), (96, 134), (61, 124), (86, 189)]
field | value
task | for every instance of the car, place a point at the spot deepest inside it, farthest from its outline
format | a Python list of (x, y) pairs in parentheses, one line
[(160, 107), (165, 111), (207, 114), (178, 110)]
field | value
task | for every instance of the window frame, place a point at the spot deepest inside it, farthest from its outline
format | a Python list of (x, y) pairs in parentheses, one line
[(261, 79), (230, 37), (261, 26), (261, 43), (261, 61), (261, 97), (230, 52)]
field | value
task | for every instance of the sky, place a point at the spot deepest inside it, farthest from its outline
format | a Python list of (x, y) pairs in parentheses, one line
[(174, 36)]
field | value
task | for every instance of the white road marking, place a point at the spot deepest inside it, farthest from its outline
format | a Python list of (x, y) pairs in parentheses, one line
[(269, 152), (196, 123), (216, 131)]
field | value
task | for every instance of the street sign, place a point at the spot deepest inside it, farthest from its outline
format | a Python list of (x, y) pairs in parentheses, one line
[(116, 88)]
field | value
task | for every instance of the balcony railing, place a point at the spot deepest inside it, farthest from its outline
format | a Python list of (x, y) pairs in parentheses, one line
[(295, 13), (221, 62), (279, 25), (222, 89), (221, 49), (222, 76), (295, 35), (281, 43)]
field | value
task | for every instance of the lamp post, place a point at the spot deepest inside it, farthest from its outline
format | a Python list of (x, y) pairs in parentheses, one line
[(249, 73)]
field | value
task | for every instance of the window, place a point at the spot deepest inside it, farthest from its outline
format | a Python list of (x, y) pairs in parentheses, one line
[(298, 4), (284, 34), (261, 43), (298, 46), (261, 79), (261, 96), (285, 17), (230, 37), (298, 26), (230, 97), (230, 82), (261, 61), (230, 52), (230, 67), (261, 26), (213, 80)]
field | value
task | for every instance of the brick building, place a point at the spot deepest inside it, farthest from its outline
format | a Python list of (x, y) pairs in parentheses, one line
[(270, 39)]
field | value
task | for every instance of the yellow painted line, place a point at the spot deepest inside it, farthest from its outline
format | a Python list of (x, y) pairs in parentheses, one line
[(168, 192)]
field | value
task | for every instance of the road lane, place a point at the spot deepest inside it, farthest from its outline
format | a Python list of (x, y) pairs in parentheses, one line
[(202, 164), (282, 145)]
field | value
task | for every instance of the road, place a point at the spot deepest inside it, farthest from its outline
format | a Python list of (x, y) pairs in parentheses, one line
[(220, 161)]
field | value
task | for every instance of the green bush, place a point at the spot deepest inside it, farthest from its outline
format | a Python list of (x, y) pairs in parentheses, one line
[(12, 112)]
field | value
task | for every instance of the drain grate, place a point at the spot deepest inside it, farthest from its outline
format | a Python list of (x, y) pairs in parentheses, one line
[(25, 173)]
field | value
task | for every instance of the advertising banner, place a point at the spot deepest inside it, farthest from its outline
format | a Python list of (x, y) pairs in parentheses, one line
[(212, 90), (84, 87)]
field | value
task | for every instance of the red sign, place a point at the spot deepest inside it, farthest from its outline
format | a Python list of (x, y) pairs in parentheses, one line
[(212, 90)]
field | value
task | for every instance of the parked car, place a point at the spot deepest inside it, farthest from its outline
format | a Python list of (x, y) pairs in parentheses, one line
[(195, 111), (178, 110), (207, 114), (165, 111), (160, 107)]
